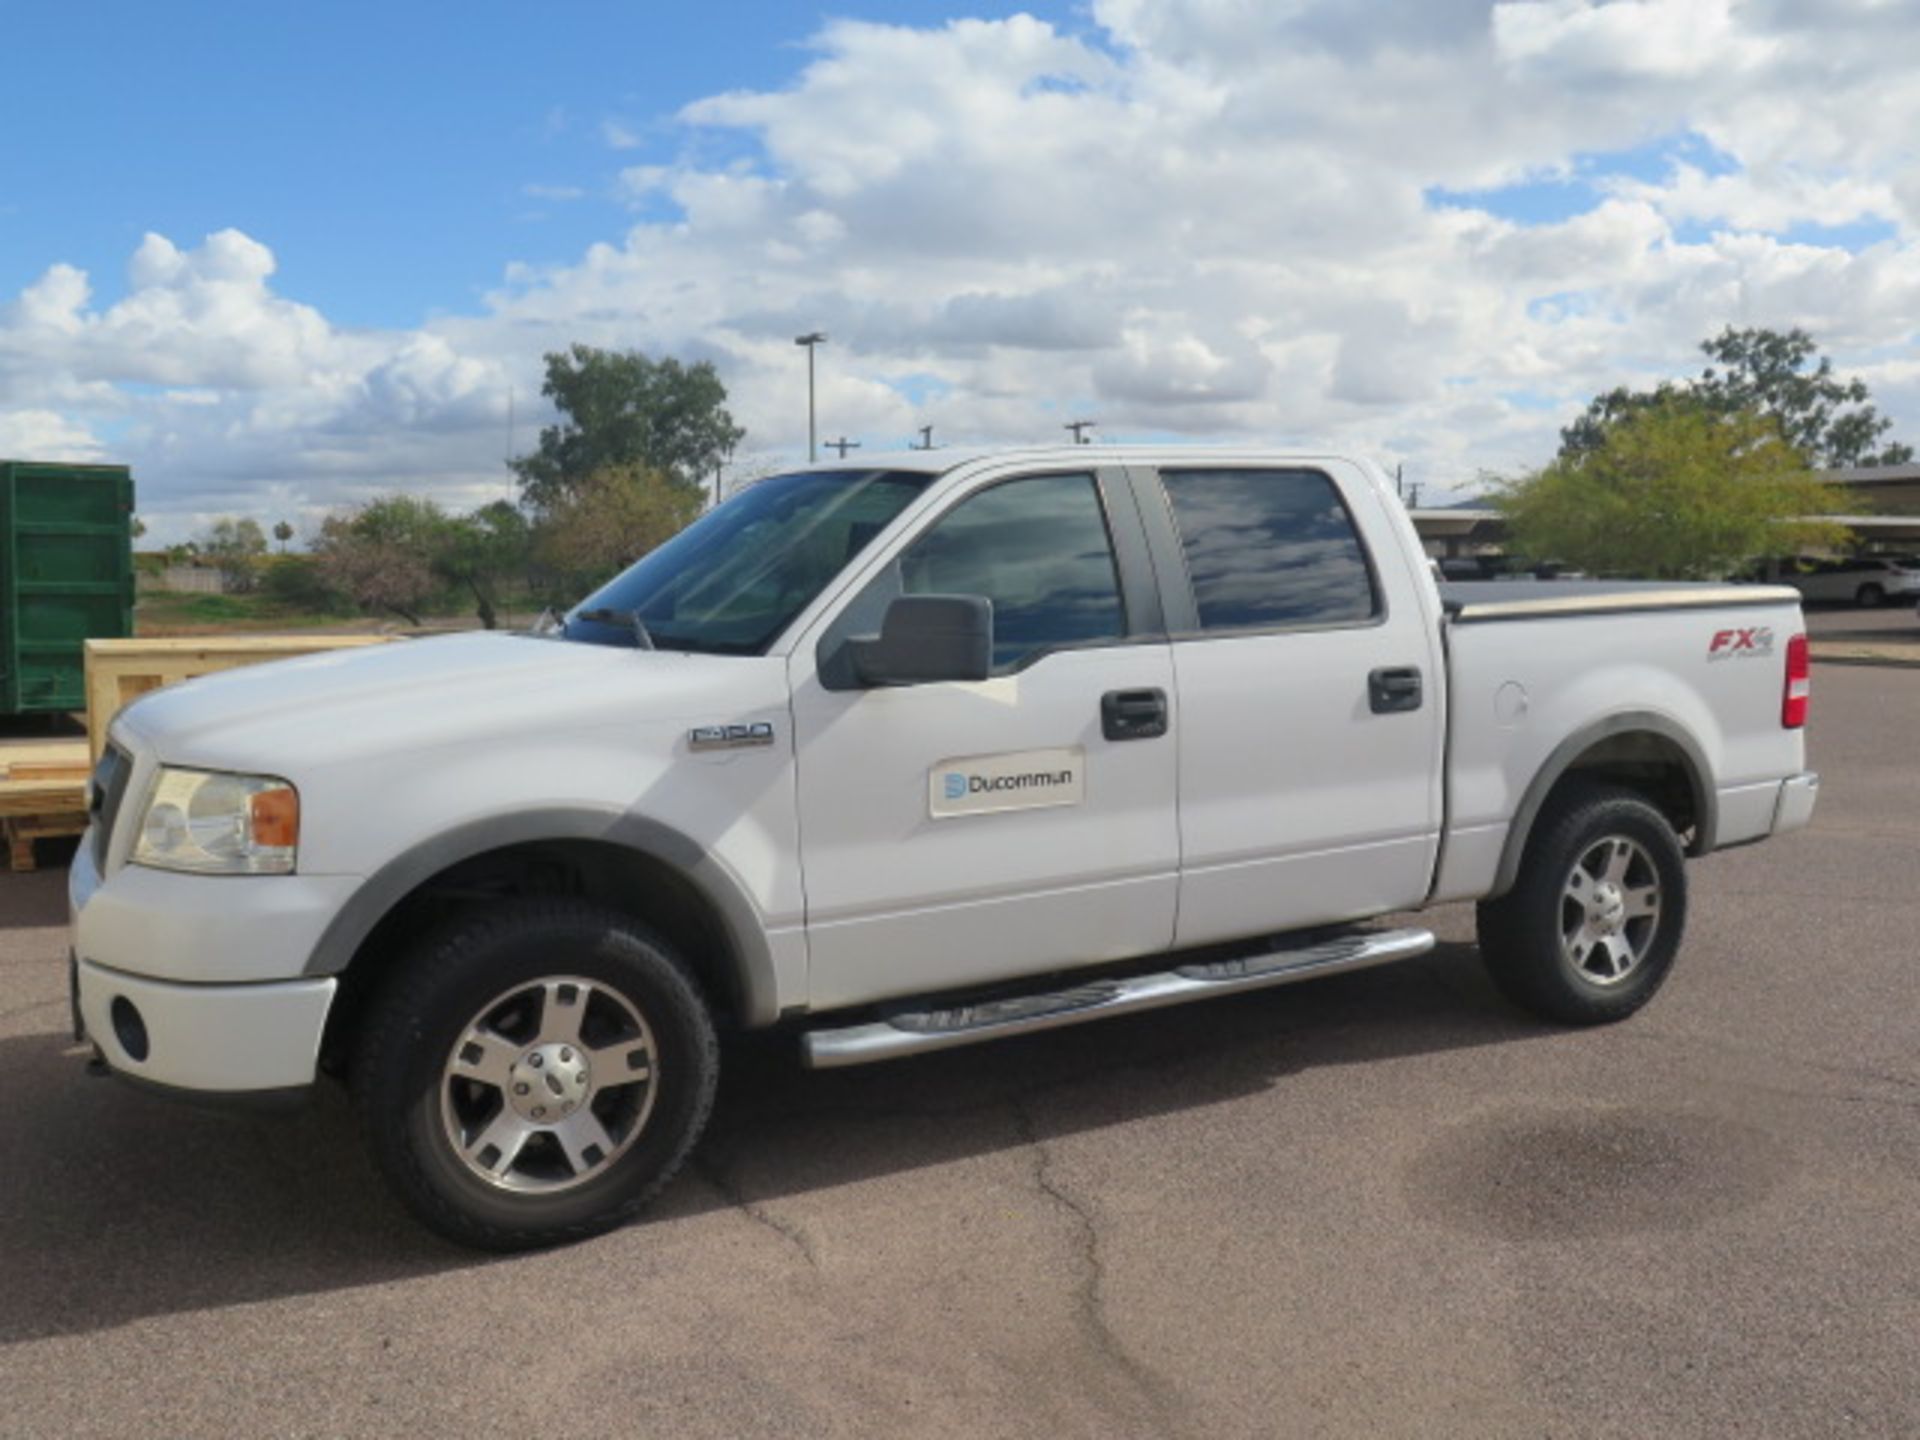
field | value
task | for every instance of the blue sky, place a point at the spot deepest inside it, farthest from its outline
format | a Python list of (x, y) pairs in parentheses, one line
[(283, 258), (385, 150)]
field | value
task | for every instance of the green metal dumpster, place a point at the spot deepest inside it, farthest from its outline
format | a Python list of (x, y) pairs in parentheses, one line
[(66, 575)]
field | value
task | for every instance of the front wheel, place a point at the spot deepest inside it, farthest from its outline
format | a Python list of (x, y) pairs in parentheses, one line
[(1870, 597), (534, 1074), (1590, 928)]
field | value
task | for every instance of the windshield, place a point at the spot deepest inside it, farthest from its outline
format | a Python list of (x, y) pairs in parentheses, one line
[(735, 578)]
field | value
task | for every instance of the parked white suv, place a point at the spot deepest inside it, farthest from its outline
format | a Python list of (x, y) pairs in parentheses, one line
[(1865, 580), (898, 756)]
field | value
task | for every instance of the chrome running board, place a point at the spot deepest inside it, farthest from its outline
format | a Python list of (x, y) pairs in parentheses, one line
[(913, 1032)]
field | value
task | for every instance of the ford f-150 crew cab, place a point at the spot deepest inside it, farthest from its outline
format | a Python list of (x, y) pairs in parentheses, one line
[(931, 750)]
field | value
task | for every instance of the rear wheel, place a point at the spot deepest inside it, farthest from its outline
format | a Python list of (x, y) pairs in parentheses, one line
[(535, 1074), (1870, 597), (1590, 928)]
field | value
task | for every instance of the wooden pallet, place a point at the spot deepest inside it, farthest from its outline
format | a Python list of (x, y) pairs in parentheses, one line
[(42, 783), (21, 831), (122, 670)]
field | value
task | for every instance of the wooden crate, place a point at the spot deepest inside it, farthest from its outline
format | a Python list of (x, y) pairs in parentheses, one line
[(122, 670)]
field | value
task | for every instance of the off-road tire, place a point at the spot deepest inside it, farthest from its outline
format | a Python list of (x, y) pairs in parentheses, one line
[(1524, 933), (407, 1038)]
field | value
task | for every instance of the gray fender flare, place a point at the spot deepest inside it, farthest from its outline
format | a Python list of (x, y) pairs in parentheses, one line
[(758, 988), (1556, 765)]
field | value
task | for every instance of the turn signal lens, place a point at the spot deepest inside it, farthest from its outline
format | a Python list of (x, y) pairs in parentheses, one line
[(275, 815), (1793, 703)]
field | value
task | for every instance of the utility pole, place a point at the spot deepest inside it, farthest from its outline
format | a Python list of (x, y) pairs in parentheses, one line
[(1413, 496), (842, 445), (926, 439), (1079, 429), (810, 340)]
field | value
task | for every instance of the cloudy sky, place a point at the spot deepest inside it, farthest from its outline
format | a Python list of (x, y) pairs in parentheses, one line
[(281, 258)]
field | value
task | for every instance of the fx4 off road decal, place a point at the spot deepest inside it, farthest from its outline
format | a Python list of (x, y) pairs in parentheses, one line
[(1741, 644), (1019, 780)]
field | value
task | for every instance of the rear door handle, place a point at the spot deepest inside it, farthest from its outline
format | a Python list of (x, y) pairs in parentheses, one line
[(1394, 689), (1133, 714)]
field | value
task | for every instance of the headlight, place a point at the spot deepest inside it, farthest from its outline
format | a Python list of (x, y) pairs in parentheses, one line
[(215, 824)]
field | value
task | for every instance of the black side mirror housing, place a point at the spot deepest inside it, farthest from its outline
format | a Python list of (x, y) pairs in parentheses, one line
[(926, 638)]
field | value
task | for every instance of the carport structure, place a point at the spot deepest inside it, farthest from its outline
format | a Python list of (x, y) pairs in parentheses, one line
[(1882, 503)]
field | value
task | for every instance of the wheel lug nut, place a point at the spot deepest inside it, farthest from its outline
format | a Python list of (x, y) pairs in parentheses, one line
[(539, 1112), (535, 1061), (521, 1088), (565, 1054)]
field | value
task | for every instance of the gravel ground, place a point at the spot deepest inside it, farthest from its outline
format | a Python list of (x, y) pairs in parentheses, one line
[(1383, 1204)]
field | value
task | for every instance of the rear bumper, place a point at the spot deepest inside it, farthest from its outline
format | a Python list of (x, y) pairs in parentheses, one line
[(1793, 808), (229, 1039)]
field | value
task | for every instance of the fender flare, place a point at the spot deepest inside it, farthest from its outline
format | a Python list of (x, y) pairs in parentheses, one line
[(374, 900), (1706, 808)]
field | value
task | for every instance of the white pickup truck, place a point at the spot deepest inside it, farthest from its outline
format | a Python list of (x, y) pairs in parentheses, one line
[(925, 751)]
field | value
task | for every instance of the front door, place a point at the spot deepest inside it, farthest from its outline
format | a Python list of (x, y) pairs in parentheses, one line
[(958, 832)]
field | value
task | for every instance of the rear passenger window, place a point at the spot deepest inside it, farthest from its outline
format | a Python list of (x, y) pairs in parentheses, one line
[(1268, 548)]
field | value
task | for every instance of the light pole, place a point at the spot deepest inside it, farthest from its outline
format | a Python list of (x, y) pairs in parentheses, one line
[(810, 339), (1079, 429)]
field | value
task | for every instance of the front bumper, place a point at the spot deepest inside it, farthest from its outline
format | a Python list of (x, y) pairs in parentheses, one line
[(223, 1038), (195, 982)]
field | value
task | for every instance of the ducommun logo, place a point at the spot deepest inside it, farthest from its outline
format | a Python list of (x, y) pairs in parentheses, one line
[(957, 785)]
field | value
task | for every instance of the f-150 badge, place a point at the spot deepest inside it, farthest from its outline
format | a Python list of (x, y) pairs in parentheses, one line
[(730, 737)]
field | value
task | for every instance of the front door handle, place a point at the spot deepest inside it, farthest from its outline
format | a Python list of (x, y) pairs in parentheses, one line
[(1133, 714), (1394, 689)]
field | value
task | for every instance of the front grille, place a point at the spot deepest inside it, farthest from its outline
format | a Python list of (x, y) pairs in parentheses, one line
[(105, 791)]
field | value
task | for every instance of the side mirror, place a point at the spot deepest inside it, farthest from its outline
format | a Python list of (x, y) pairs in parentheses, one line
[(924, 638)]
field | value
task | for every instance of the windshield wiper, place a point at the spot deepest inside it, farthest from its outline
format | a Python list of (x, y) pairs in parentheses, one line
[(630, 618)]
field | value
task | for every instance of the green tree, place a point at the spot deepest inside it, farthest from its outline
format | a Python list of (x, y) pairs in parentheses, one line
[(623, 409), (606, 523), (483, 553), (1828, 420), (296, 583), (235, 547), (383, 555), (1673, 489), (283, 532)]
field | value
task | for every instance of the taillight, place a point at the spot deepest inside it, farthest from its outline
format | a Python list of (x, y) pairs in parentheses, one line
[(1793, 702)]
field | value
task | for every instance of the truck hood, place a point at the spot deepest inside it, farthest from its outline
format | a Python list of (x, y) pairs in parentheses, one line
[(320, 709)]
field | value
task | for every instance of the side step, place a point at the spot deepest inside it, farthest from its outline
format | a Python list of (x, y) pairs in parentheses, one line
[(913, 1032)]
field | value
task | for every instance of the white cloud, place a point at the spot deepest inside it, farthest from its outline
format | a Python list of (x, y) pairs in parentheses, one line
[(46, 435), (1208, 219)]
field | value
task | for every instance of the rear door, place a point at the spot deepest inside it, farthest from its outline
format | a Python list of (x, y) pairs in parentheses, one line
[(1308, 665), (953, 833)]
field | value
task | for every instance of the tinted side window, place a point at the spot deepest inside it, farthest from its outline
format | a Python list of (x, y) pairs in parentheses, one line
[(1039, 550), (1269, 548)]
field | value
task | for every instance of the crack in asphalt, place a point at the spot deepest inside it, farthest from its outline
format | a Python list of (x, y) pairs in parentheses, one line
[(729, 1189), (1090, 1301)]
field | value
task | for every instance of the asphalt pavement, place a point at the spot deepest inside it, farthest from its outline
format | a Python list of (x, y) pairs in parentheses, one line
[(1383, 1204)]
